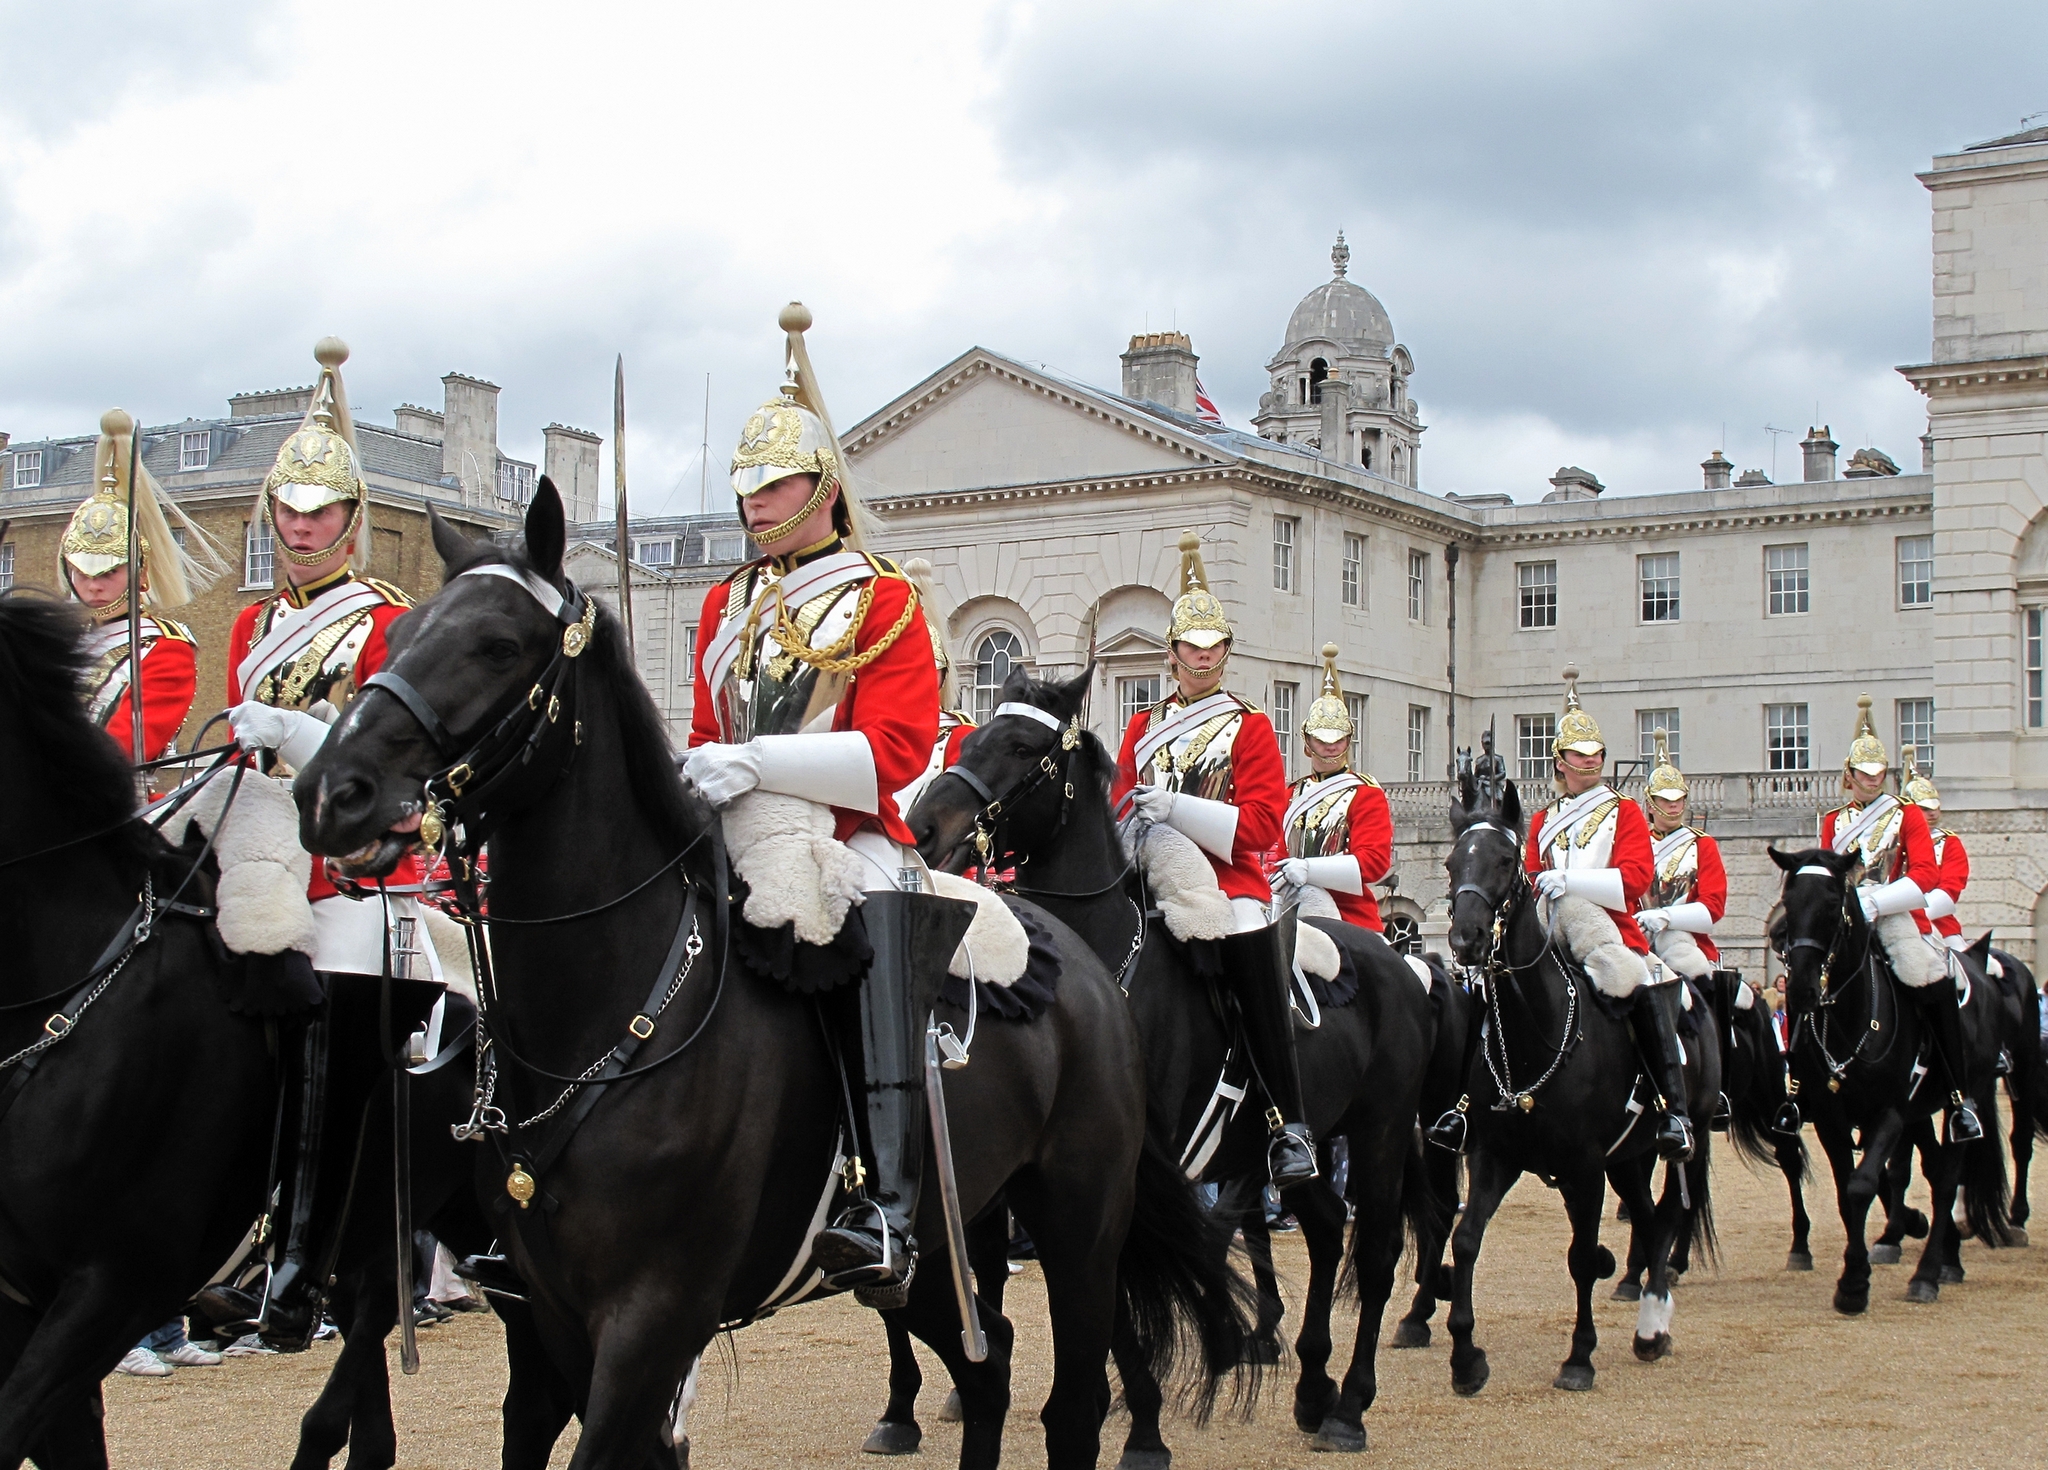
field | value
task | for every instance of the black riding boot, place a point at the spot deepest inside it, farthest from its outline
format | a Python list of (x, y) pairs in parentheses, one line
[(1941, 1008), (871, 1247), (292, 1306), (1656, 1013), (1450, 1131), (1255, 973)]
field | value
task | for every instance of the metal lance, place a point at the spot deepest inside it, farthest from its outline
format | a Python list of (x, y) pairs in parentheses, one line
[(135, 750), (625, 547)]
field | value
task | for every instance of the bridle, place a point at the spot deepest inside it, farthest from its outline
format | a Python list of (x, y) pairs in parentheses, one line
[(1815, 1021), (1497, 968), (991, 817)]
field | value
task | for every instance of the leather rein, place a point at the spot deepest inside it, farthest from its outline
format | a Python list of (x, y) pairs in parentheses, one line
[(1498, 967)]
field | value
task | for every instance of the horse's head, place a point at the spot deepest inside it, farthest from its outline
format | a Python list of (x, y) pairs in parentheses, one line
[(1006, 761), (464, 666), (1485, 863), (1820, 918)]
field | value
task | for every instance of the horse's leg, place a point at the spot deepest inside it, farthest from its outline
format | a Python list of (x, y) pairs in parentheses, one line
[(1900, 1219), (1855, 1188), (1080, 1297), (1792, 1164), (897, 1432), (644, 1349), (1258, 1244), (1667, 1222), (539, 1400), (1489, 1179), (1590, 1261), (933, 1317), (1144, 1449), (90, 1324), (74, 1438), (1377, 1163), (1942, 1163), (1631, 1180), (1440, 1169), (1321, 1215), (354, 1406), (2022, 1145)]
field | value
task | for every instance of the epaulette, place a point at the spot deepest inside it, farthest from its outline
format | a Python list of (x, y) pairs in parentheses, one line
[(1697, 832), (960, 717), (392, 594), (1365, 780), (742, 569), (1247, 705), (884, 564), (176, 632)]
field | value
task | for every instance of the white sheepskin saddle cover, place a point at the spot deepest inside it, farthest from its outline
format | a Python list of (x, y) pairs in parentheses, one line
[(451, 948), (1180, 880), (1916, 962), (1589, 936), (263, 870), (1315, 953), (995, 947), (1681, 952), (796, 872)]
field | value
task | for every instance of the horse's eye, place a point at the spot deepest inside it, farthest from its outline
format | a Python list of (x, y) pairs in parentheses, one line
[(1019, 749), (501, 650)]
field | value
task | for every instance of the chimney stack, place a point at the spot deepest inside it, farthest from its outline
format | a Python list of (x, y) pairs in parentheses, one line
[(1717, 469), (570, 460), (1819, 449), (1926, 454), (1336, 434), (1160, 368), (469, 437), (1573, 483), (422, 423)]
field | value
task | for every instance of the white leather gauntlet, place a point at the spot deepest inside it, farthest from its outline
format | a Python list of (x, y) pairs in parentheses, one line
[(1693, 918), (1339, 874), (1212, 824), (1939, 904), (832, 768), (1597, 885)]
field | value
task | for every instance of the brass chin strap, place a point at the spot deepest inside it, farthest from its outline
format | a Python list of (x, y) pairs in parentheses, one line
[(312, 558), (826, 485)]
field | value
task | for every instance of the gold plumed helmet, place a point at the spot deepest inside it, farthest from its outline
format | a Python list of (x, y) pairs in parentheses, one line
[(1327, 718), (791, 434), (95, 541), (1666, 780), (320, 464), (1866, 751), (1577, 729), (1918, 788), (1197, 615)]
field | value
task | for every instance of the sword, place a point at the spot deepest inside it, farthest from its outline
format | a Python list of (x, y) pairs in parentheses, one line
[(135, 750), (401, 1157), (972, 1340), (619, 495)]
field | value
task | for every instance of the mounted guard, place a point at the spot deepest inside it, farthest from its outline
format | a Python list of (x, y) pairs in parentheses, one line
[(1951, 860), (1896, 871), (1206, 763), (1688, 895), (1338, 827), (955, 725), (816, 679), (94, 561)]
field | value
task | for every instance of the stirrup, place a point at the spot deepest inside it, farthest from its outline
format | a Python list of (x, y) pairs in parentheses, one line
[(2004, 1065), (1963, 1123), (1676, 1148), (879, 1273), (1786, 1121), (1723, 1114), (1448, 1132)]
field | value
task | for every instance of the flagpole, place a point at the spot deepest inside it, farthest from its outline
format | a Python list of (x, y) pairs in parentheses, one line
[(136, 752), (625, 546)]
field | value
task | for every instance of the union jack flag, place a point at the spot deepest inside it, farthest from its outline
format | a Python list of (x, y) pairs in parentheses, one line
[(1205, 410)]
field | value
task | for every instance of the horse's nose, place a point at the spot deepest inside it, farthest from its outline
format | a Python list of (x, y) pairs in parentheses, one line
[(342, 800)]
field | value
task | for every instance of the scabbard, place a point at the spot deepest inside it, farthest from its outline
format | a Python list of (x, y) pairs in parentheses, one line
[(972, 1340)]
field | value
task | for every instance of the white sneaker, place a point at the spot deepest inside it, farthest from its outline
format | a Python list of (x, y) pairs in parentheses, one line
[(142, 1363), (190, 1355), (249, 1345)]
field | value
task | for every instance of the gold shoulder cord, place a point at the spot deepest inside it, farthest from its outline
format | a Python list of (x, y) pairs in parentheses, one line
[(838, 657)]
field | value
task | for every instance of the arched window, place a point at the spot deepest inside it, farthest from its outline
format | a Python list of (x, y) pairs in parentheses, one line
[(1403, 934), (1366, 457), (1318, 371), (999, 653)]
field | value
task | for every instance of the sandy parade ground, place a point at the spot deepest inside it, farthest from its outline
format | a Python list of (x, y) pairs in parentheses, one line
[(1765, 1373)]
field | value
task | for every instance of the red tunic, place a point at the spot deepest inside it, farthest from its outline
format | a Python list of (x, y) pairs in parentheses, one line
[(170, 680), (1368, 837), (1258, 789), (1952, 867), (894, 701), (1632, 855), (956, 737), (1912, 858), (1710, 887), (368, 662)]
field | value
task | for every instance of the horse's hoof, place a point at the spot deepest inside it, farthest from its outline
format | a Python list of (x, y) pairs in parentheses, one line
[(1650, 1349), (1145, 1460), (1915, 1225), (1311, 1412), (950, 1411), (1347, 1439), (1603, 1264), (1798, 1260), (890, 1438), (1409, 1334), (1884, 1255), (1922, 1292), (1474, 1378), (1851, 1303), (1950, 1275), (2016, 1235), (1574, 1378), (1628, 1291)]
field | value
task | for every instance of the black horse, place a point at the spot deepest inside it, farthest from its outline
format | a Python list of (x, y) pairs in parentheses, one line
[(683, 1196), (1363, 1068), (1555, 1090), (1859, 1076)]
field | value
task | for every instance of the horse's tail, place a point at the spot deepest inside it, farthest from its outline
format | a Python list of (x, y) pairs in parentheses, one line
[(1986, 1194), (1191, 1314), (1698, 1233), (1752, 1108)]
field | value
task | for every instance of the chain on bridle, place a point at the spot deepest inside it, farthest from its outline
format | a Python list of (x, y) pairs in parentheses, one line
[(1498, 968), (1818, 1017)]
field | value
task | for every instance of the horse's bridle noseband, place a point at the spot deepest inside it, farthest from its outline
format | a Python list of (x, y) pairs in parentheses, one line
[(989, 819)]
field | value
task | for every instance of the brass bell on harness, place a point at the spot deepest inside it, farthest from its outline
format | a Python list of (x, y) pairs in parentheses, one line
[(1527, 1103), (432, 828), (519, 1184), (1834, 1084)]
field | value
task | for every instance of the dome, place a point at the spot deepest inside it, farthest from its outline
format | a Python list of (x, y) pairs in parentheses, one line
[(1342, 311)]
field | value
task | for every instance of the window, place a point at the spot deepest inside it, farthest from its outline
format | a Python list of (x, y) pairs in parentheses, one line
[(1784, 581), (998, 654), (1403, 934), (195, 449), (690, 649), (1658, 576), (1533, 737), (1648, 723), (725, 548), (661, 553), (1285, 698), (515, 481), (1418, 739), (1785, 737), (1354, 570), (1536, 581), (28, 469), (1284, 528), (2037, 706), (256, 553), (1916, 728), (1418, 586), (6, 566), (1916, 571), (1355, 706), (1133, 695)]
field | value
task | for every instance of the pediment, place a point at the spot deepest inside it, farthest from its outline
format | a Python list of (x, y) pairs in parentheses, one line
[(1131, 643)]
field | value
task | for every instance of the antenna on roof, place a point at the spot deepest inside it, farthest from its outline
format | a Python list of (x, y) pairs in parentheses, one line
[(704, 483), (1774, 433)]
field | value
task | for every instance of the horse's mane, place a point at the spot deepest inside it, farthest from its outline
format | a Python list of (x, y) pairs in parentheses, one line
[(42, 667)]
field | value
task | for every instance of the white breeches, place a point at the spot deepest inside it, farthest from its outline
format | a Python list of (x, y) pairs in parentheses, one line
[(1247, 914), (349, 937), (886, 860)]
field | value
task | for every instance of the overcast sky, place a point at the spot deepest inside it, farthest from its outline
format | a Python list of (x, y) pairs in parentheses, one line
[(1604, 231)]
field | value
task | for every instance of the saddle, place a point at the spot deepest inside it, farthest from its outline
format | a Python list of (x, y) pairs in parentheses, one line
[(1588, 935)]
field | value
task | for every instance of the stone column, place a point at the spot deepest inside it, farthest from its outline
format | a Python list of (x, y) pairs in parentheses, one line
[(1336, 430)]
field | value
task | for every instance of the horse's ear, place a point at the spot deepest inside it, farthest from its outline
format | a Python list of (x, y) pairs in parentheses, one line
[(546, 536), (1981, 950), (1511, 808), (1075, 690), (449, 544), (1016, 686), (1461, 802), (1788, 862)]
